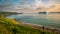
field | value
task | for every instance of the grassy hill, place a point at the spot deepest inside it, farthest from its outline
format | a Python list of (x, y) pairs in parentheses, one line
[(11, 26)]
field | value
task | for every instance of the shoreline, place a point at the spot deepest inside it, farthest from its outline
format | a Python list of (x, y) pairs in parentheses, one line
[(41, 27), (38, 25)]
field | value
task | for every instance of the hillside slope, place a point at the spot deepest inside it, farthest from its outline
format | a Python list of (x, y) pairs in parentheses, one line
[(11, 26)]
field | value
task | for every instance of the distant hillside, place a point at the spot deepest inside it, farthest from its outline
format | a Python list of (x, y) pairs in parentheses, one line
[(4, 12)]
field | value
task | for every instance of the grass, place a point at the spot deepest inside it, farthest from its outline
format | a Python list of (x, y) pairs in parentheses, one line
[(11, 26)]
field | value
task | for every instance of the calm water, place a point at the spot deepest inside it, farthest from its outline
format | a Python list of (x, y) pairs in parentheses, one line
[(52, 20)]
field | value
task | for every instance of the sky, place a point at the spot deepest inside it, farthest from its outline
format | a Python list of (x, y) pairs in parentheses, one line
[(15, 4)]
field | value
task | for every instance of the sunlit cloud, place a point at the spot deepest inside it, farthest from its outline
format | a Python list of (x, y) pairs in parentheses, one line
[(28, 4)]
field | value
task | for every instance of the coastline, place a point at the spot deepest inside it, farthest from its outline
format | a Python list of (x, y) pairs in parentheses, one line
[(11, 26), (41, 27)]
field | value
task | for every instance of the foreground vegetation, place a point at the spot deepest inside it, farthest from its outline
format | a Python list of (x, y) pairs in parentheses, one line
[(11, 26)]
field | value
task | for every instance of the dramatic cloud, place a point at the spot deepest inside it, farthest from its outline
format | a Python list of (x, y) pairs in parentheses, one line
[(10, 4), (18, 4), (5, 4), (56, 1)]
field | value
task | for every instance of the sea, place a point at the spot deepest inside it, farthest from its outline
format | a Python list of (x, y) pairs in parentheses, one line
[(52, 20)]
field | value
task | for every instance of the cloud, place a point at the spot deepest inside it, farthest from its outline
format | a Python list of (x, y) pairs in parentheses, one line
[(10, 4), (47, 2), (15, 4), (56, 1), (5, 4)]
